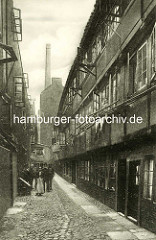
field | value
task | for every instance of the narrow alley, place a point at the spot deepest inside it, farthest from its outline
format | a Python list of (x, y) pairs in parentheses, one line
[(66, 213)]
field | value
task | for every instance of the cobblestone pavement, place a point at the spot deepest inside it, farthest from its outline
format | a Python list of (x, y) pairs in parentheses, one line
[(63, 213)]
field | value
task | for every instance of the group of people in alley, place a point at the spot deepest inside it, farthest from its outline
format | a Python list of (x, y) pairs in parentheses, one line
[(36, 178)]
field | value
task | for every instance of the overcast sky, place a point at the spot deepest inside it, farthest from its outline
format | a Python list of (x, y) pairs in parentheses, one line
[(58, 22)]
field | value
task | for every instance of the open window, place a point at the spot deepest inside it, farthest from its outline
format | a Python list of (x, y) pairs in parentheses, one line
[(113, 20), (17, 24), (141, 70)]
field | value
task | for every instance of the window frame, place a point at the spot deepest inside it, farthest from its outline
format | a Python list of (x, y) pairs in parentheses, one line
[(137, 68), (151, 197), (17, 92)]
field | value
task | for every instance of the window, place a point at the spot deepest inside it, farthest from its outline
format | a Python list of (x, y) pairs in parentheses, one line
[(5, 114), (141, 79), (89, 55), (74, 83), (87, 170), (39, 152), (132, 73), (153, 52), (112, 176), (113, 21), (100, 174), (115, 18), (26, 80), (70, 95), (64, 169), (88, 109), (99, 44), (67, 169), (18, 89), (115, 87), (104, 96), (96, 101), (17, 24), (81, 168), (94, 52), (148, 178), (92, 175), (61, 138)]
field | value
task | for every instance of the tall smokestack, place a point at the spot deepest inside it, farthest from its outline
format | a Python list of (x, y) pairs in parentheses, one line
[(48, 66)]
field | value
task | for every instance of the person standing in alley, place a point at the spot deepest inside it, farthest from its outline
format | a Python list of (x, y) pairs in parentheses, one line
[(39, 187), (46, 179), (35, 176), (51, 175)]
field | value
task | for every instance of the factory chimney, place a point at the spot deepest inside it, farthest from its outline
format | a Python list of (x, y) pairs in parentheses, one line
[(48, 66)]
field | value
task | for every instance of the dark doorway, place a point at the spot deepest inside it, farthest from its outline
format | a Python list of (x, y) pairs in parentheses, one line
[(74, 172), (121, 185), (133, 189)]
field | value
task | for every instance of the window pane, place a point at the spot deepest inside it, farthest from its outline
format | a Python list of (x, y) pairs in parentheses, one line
[(151, 165), (18, 88)]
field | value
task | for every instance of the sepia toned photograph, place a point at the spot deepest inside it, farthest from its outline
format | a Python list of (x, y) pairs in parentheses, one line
[(77, 119)]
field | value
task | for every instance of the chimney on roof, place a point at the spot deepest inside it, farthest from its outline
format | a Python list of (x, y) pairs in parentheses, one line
[(48, 66)]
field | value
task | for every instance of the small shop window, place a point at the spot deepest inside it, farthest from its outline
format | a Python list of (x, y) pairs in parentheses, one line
[(112, 177), (81, 170), (148, 178), (68, 169), (92, 175), (100, 174)]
